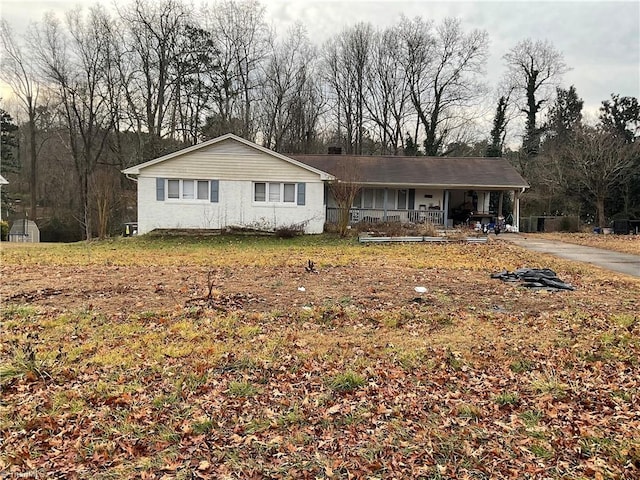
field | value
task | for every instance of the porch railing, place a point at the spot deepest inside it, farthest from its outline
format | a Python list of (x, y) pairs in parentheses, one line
[(373, 215)]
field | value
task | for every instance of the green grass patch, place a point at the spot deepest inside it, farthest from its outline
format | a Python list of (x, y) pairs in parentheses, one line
[(242, 389), (507, 399), (346, 381), (549, 383), (521, 366), (531, 418), (470, 411)]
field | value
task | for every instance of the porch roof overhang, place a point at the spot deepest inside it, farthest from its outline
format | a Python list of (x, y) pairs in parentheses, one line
[(423, 172), (439, 187)]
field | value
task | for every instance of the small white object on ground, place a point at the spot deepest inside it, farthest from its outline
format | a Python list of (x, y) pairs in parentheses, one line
[(420, 289)]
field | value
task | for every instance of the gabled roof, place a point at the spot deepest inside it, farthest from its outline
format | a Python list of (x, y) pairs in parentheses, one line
[(461, 172), (135, 170)]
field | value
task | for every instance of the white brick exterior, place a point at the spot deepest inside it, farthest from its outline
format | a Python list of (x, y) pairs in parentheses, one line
[(236, 165), (234, 208)]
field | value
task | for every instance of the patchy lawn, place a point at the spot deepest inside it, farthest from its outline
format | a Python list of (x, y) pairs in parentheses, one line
[(619, 243), (225, 358)]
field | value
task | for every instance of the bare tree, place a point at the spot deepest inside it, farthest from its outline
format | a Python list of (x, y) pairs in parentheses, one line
[(387, 91), (346, 64), (74, 64), (241, 38), (292, 101), (444, 67), (344, 189), (104, 185), (282, 71), (416, 58), (154, 38), (192, 92), (599, 161), (534, 69), (341, 94), (18, 70)]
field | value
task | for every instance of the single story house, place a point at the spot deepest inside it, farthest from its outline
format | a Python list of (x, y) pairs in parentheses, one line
[(229, 181)]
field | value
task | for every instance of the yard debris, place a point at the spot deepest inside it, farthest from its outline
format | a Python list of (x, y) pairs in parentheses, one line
[(311, 267), (538, 278), (36, 295), (419, 298), (221, 302)]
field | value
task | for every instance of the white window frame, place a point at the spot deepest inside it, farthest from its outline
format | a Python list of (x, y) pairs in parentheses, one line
[(181, 190), (405, 204), (294, 195), (376, 195), (279, 194), (169, 182)]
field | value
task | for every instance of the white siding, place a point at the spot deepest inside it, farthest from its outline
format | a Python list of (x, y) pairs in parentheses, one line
[(230, 160), (436, 200), (235, 207)]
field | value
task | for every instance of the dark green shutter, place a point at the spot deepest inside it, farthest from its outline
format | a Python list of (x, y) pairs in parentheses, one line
[(301, 193), (412, 199), (160, 189), (215, 188)]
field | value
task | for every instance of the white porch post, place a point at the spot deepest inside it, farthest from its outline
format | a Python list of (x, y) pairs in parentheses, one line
[(516, 209), (386, 193), (446, 208)]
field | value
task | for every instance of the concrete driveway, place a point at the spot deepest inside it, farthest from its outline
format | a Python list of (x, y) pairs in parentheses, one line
[(615, 261)]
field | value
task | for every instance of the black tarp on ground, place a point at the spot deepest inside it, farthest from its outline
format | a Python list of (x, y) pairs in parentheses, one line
[(534, 278)]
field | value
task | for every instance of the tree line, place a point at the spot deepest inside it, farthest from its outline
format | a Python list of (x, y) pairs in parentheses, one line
[(97, 92)]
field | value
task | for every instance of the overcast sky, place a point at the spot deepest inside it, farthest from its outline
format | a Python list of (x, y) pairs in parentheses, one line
[(600, 40)]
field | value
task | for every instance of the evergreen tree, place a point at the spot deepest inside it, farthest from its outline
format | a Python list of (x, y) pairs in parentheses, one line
[(9, 162), (9, 144), (621, 116), (494, 149), (553, 180), (411, 148), (565, 114)]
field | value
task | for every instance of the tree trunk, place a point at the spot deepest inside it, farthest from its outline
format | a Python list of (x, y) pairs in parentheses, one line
[(343, 220), (86, 205), (600, 211), (33, 183)]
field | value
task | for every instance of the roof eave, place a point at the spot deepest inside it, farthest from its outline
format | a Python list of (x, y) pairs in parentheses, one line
[(447, 185), (135, 170)]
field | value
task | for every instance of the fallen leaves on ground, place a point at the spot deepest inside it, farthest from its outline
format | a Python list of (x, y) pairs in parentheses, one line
[(224, 369)]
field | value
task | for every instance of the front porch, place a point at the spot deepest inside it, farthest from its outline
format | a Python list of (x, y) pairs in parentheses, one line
[(444, 208), (374, 215)]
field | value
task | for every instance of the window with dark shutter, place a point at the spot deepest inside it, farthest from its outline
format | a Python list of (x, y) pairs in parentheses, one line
[(215, 189), (160, 189)]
